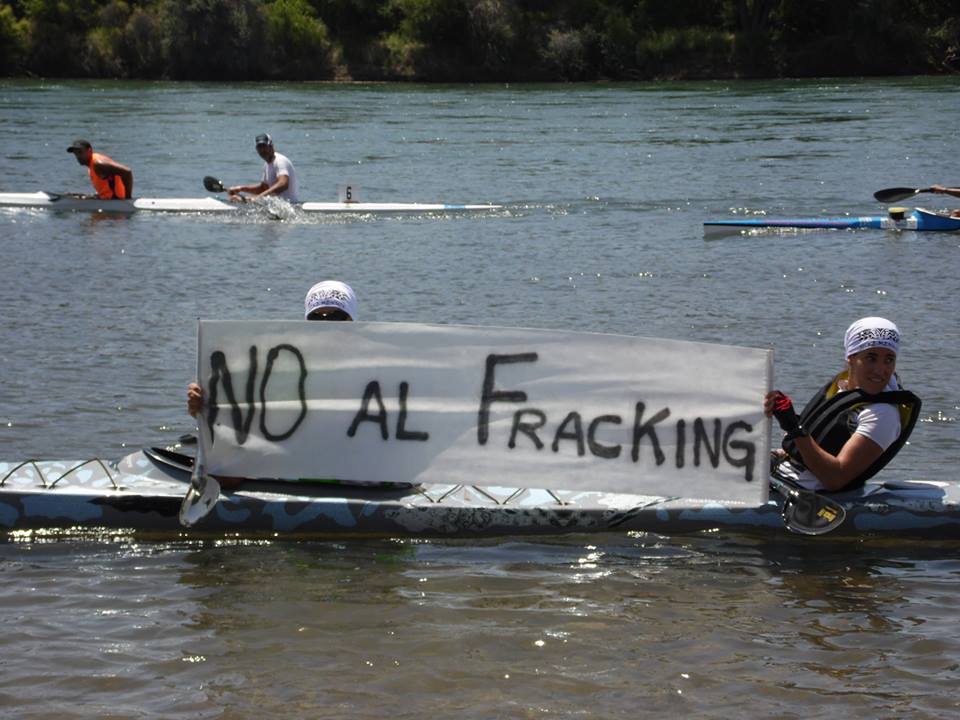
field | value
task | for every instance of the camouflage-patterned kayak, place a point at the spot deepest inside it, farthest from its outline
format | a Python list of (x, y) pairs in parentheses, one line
[(143, 492)]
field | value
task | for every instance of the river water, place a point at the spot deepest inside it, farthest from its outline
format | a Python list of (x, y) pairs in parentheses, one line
[(605, 189)]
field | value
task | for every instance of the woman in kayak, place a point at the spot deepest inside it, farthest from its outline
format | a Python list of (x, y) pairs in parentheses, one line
[(856, 423), (328, 300)]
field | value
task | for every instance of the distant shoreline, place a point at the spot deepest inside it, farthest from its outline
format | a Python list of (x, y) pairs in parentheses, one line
[(496, 41)]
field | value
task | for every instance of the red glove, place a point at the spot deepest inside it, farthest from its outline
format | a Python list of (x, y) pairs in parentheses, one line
[(787, 417)]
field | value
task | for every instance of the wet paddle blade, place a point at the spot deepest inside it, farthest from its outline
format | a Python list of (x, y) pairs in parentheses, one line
[(213, 185), (202, 494), (812, 514), (805, 511), (199, 500), (890, 195)]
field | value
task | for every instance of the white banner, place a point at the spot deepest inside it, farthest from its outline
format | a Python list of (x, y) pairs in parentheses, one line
[(510, 407)]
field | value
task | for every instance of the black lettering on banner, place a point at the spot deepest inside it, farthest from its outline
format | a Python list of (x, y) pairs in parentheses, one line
[(681, 442), (301, 393), (527, 428), (640, 429), (749, 448), (220, 374), (372, 391), (490, 396), (402, 432), (598, 449), (577, 434), (700, 438)]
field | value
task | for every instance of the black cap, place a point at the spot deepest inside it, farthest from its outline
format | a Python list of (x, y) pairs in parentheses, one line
[(78, 146), (264, 139)]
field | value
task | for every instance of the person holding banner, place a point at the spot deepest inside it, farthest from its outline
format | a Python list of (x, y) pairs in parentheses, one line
[(856, 423), (328, 300)]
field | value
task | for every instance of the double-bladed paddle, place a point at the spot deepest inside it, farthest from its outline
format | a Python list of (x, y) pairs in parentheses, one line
[(805, 511), (897, 194)]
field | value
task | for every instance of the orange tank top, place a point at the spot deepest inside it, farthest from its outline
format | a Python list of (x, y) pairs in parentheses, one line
[(108, 188)]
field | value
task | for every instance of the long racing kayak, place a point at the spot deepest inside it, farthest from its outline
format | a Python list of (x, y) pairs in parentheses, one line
[(919, 220), (52, 201), (142, 492)]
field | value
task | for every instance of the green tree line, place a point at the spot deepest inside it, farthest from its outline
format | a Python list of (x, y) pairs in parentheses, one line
[(476, 40)]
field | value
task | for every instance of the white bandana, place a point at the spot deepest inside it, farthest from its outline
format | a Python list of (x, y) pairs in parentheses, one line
[(331, 293), (871, 332)]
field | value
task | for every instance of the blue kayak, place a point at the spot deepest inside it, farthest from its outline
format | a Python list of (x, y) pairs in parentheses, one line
[(918, 219)]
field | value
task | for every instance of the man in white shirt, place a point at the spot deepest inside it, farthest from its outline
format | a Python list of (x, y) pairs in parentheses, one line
[(279, 176)]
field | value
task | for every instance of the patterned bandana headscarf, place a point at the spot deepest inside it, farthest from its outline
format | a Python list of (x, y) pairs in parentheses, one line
[(870, 332), (331, 293)]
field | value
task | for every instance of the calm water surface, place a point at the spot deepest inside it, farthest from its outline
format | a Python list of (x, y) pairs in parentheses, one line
[(605, 189)]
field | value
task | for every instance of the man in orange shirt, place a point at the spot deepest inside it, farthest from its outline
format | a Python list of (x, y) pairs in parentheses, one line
[(111, 180)]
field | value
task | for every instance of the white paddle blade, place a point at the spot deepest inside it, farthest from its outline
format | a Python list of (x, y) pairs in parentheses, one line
[(199, 500)]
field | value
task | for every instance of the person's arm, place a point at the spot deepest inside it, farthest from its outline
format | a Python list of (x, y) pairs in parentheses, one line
[(107, 169), (836, 472), (942, 190), (833, 471), (253, 188), (282, 183), (194, 399)]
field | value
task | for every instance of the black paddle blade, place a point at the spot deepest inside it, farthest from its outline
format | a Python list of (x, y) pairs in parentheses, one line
[(213, 185), (812, 514), (889, 195)]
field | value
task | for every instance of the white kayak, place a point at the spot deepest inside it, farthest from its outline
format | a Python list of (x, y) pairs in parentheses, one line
[(364, 207), (53, 201), (143, 492)]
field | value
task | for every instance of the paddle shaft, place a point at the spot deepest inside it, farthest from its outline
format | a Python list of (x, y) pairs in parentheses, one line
[(212, 184), (204, 491)]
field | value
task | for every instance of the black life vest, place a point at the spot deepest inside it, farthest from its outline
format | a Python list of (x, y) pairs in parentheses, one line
[(827, 419)]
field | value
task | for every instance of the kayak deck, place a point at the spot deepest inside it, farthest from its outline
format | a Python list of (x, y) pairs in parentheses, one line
[(916, 220), (143, 492), (362, 207), (51, 201), (66, 203)]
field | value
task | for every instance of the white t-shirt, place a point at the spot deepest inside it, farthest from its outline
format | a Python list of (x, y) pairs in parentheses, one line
[(879, 421), (281, 165)]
